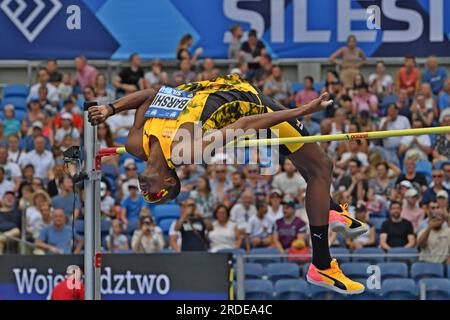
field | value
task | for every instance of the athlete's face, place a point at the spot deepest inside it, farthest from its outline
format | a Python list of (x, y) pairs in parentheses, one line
[(155, 184)]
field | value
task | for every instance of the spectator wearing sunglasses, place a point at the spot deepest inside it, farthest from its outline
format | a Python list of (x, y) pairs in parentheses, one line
[(437, 185)]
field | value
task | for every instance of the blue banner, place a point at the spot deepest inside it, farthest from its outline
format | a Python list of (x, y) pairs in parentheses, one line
[(112, 29)]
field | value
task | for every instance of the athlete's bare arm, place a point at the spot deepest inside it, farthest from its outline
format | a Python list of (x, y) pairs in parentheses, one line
[(99, 114), (267, 120)]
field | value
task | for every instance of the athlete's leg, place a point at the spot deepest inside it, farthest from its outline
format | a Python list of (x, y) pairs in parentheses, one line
[(316, 167)]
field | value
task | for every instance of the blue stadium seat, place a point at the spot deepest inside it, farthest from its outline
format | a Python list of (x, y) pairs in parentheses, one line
[(166, 211), (318, 86), (110, 170), (274, 253), (304, 269), (439, 164), (393, 270), (399, 289), (235, 252), (291, 289), (321, 293), (436, 289), (79, 227), (258, 290), (355, 269), (165, 224), (140, 166), (16, 90), (408, 254), (282, 270), (132, 226), (18, 102), (422, 270), (120, 140), (377, 222), (123, 251), (368, 251), (336, 252), (368, 294), (425, 167), (253, 270), (297, 86), (167, 250)]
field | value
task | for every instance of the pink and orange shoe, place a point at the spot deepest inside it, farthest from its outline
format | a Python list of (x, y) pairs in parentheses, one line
[(343, 223), (333, 279)]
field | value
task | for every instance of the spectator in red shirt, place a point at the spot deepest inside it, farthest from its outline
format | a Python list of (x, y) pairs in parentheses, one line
[(70, 288), (307, 94), (77, 120), (86, 73), (408, 77)]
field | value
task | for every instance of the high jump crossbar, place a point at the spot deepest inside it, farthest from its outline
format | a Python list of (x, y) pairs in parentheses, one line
[(344, 136)]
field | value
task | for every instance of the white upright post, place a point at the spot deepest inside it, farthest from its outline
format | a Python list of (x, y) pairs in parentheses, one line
[(91, 210)]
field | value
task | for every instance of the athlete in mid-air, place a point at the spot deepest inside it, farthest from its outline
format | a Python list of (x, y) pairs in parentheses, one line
[(230, 103)]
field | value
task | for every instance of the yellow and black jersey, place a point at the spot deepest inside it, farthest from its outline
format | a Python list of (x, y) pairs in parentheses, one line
[(216, 104)]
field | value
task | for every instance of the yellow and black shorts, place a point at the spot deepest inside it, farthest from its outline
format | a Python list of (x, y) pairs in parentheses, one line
[(222, 108)]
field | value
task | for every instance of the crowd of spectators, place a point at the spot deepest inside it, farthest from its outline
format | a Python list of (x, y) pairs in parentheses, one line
[(403, 180)]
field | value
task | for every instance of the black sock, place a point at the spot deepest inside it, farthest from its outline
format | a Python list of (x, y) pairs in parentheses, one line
[(334, 206), (321, 250)]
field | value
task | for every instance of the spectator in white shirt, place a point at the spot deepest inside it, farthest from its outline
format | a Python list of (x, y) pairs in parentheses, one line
[(15, 154), (259, 230), (416, 147), (243, 211), (121, 123), (380, 83), (41, 159), (12, 170), (225, 234), (275, 210), (174, 237), (43, 80), (354, 152), (66, 129), (393, 121), (5, 185), (290, 182)]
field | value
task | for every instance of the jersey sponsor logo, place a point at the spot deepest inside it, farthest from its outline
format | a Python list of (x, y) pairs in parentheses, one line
[(168, 103)]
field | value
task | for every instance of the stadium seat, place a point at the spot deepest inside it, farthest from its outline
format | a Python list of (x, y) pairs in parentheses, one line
[(120, 140), (282, 270), (235, 252), (318, 86), (408, 254), (140, 166), (424, 167), (79, 227), (368, 251), (253, 270), (422, 270), (109, 170), (436, 289), (336, 252), (399, 289), (273, 255), (291, 289), (258, 290), (132, 226), (368, 294), (393, 270), (377, 223), (16, 90), (165, 224), (166, 211), (167, 250), (439, 164), (297, 86), (18, 102), (355, 269), (321, 293)]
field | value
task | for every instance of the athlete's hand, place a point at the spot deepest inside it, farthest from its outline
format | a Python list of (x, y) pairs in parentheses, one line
[(317, 104), (99, 114)]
